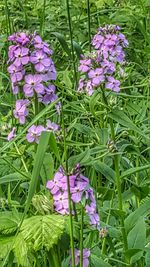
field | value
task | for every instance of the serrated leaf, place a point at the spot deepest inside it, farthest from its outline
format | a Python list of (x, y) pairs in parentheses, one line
[(43, 231)]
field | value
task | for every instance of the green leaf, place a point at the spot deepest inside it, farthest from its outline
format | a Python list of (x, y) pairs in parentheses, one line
[(134, 170), (21, 250), (53, 146), (77, 49), (82, 158), (47, 169), (62, 41), (98, 262), (12, 177), (120, 117), (42, 231), (142, 211), (41, 149), (137, 236), (5, 245), (105, 170)]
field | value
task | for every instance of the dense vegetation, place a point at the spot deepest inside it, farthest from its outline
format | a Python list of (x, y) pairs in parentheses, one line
[(75, 133)]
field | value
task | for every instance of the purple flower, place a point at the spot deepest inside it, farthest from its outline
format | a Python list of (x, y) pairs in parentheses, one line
[(15, 89), (40, 60), (21, 56), (94, 218), (81, 85), (89, 88), (113, 84), (51, 126), (96, 76), (11, 51), (20, 111), (11, 135), (85, 65), (49, 94), (39, 44), (33, 83), (61, 202), (16, 73), (86, 255), (77, 191), (22, 38), (34, 133), (97, 41)]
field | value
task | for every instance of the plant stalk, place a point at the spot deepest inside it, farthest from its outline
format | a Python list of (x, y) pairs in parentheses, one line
[(89, 24), (81, 236), (71, 39)]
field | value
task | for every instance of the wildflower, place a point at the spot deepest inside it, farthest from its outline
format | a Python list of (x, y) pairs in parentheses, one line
[(21, 56), (106, 59), (34, 133), (11, 135), (33, 83), (20, 112), (86, 255), (16, 73), (51, 126), (40, 60)]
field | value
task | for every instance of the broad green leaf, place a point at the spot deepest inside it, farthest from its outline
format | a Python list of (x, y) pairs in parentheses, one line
[(21, 251), (42, 231), (137, 236), (142, 211), (98, 262), (53, 146), (5, 245), (82, 158), (47, 169), (105, 170)]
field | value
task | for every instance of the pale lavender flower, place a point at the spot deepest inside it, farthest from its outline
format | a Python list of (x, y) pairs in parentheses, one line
[(21, 56), (20, 112), (85, 65), (51, 126), (16, 73), (39, 44), (113, 84), (34, 133), (61, 202), (33, 83), (96, 76), (40, 60), (22, 38), (86, 255), (15, 89), (97, 41), (81, 86), (77, 191), (12, 134), (89, 88)]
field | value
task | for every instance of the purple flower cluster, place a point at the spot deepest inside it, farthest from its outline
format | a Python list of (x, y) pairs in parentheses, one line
[(86, 255), (31, 71), (103, 64), (79, 187)]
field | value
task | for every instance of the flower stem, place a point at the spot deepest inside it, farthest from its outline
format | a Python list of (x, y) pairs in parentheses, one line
[(118, 180), (71, 39), (69, 194), (81, 236), (89, 24)]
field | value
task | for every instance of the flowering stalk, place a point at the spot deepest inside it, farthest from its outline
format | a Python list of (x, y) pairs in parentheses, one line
[(69, 195), (81, 236), (71, 39), (89, 24), (118, 181)]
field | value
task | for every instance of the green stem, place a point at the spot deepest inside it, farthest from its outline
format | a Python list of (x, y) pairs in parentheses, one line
[(71, 39), (7, 18), (43, 19), (118, 180), (89, 24), (69, 194), (81, 236)]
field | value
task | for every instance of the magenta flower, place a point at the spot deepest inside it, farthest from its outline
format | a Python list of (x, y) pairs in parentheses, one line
[(16, 73), (33, 83), (113, 84), (21, 56), (20, 112), (34, 133), (86, 255), (41, 61), (12, 134)]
